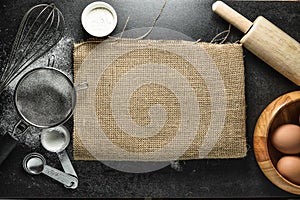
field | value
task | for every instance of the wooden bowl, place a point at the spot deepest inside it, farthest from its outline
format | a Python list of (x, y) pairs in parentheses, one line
[(283, 110)]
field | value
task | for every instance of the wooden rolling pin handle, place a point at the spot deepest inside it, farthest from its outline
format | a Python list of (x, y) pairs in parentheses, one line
[(231, 16)]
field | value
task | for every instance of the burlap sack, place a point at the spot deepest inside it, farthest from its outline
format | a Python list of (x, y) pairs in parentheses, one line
[(159, 100)]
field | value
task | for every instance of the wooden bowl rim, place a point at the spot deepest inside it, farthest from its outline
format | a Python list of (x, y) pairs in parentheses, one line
[(260, 143)]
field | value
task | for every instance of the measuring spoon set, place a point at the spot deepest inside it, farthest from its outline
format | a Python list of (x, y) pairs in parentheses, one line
[(54, 140)]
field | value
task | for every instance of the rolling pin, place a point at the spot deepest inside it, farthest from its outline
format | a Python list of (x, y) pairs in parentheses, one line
[(266, 41)]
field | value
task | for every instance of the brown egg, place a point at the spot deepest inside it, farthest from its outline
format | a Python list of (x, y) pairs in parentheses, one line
[(286, 139), (289, 168)]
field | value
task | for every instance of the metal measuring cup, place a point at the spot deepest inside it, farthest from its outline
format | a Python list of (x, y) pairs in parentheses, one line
[(56, 140), (44, 97), (35, 163)]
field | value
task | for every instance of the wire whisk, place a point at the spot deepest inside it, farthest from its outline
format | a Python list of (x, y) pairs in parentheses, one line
[(41, 28)]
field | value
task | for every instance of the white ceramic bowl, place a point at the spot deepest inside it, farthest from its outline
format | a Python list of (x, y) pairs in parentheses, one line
[(99, 19)]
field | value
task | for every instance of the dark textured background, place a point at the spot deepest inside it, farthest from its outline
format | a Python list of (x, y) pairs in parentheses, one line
[(199, 178)]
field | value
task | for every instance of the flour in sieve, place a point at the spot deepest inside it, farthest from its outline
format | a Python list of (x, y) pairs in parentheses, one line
[(45, 97), (8, 115)]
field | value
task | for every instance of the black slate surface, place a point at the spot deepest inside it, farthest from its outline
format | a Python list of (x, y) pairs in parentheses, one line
[(199, 178)]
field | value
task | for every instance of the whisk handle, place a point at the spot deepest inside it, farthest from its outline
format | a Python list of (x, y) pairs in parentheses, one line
[(7, 144)]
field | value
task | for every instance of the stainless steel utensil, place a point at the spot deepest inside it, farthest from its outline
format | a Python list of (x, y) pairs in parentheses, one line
[(44, 97), (55, 140), (40, 29), (35, 163)]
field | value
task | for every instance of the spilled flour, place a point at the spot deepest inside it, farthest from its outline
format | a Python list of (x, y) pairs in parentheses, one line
[(8, 113)]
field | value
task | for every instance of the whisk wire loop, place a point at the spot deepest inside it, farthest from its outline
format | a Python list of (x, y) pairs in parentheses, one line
[(40, 29)]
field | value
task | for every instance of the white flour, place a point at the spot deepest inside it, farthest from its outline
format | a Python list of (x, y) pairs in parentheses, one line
[(8, 114), (54, 140), (99, 20)]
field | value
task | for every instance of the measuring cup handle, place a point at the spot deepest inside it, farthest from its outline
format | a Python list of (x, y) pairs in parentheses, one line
[(7, 144), (66, 163), (67, 166), (60, 176)]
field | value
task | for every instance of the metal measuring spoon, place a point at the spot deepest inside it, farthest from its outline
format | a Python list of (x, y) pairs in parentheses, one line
[(56, 140), (35, 163)]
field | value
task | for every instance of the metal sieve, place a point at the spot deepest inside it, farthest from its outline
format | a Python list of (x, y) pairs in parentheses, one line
[(44, 97)]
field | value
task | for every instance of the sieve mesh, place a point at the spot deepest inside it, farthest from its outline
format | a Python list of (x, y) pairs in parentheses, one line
[(45, 97)]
